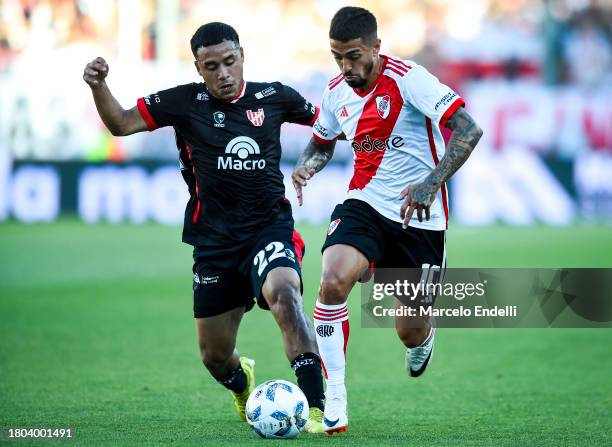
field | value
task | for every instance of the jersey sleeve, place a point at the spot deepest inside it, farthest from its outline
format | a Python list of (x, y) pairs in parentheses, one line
[(428, 95), (326, 128), (297, 109), (166, 107)]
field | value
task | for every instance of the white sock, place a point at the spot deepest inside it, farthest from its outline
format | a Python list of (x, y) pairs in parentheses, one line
[(332, 330)]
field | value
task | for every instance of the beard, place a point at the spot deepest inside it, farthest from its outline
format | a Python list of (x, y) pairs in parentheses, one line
[(357, 83), (361, 81)]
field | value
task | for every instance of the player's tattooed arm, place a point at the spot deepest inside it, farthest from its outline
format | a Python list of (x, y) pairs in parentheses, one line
[(465, 136), (316, 155), (313, 159), (117, 120)]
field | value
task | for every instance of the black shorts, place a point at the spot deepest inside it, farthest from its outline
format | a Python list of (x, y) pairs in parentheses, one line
[(238, 282), (382, 241)]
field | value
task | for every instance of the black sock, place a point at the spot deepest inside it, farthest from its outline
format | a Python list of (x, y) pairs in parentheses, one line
[(309, 375), (235, 380)]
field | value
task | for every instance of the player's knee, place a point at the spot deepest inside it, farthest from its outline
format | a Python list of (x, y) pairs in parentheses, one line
[(215, 359), (334, 289), (412, 337)]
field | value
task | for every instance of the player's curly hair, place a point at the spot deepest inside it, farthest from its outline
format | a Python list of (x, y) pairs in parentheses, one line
[(351, 23), (213, 33)]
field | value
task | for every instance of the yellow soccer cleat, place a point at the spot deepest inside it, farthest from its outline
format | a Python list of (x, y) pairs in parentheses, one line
[(315, 421), (240, 399)]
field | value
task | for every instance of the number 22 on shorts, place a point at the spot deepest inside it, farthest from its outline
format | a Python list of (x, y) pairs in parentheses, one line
[(275, 250)]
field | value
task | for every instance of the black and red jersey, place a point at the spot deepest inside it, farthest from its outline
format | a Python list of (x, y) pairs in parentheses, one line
[(230, 154)]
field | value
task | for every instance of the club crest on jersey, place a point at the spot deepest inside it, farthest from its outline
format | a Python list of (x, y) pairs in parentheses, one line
[(383, 105), (333, 226), (219, 118), (257, 118)]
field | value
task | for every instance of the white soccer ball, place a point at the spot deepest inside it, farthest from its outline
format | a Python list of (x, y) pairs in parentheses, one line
[(277, 409)]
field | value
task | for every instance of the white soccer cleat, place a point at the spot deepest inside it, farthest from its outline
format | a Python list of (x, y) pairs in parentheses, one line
[(335, 419), (417, 359)]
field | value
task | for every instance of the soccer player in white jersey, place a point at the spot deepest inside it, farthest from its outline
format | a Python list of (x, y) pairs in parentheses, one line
[(390, 110)]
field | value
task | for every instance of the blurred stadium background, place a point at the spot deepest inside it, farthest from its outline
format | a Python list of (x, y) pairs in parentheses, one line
[(537, 75), (95, 304)]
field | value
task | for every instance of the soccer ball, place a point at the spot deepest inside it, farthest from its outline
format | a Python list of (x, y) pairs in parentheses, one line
[(277, 409)]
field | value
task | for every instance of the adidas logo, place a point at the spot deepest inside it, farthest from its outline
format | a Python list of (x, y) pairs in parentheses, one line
[(344, 112)]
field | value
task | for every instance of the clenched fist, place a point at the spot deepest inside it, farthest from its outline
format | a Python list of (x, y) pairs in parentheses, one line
[(95, 72)]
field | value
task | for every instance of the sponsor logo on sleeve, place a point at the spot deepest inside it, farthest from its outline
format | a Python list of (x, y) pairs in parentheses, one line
[(312, 108), (320, 129), (148, 99), (446, 99)]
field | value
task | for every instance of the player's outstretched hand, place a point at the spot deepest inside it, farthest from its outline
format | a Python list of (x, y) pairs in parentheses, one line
[(95, 72), (417, 197), (299, 178)]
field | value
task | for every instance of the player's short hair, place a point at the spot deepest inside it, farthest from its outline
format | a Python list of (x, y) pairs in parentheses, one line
[(352, 22), (213, 33)]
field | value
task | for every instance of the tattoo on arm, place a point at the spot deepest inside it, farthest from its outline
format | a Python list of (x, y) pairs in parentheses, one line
[(316, 155), (465, 136)]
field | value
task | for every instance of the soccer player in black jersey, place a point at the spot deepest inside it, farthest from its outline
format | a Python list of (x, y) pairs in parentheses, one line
[(237, 219)]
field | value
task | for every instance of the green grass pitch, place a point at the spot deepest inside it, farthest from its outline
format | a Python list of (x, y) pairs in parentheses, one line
[(96, 333)]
